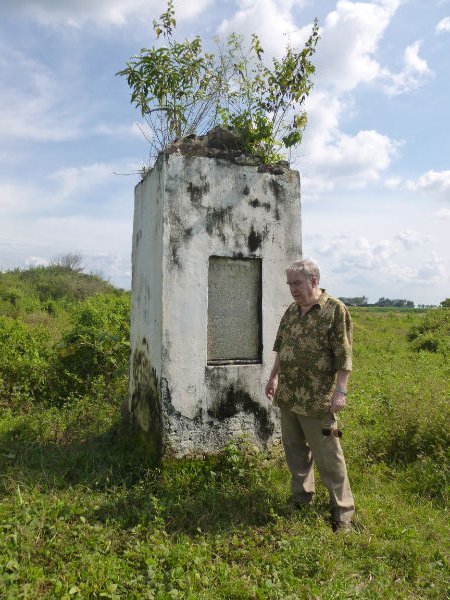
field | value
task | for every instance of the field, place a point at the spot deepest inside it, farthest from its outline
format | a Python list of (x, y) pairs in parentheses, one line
[(84, 515)]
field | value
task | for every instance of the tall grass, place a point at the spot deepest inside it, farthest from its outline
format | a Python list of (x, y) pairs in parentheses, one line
[(84, 514)]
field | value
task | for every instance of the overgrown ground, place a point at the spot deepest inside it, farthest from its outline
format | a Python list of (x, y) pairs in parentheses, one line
[(83, 515)]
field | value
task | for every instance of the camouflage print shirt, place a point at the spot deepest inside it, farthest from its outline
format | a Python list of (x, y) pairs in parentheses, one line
[(311, 349)]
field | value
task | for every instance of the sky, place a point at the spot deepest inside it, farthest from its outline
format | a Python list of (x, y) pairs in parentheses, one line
[(374, 161)]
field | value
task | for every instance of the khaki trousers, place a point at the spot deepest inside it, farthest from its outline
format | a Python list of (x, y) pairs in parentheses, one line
[(304, 444)]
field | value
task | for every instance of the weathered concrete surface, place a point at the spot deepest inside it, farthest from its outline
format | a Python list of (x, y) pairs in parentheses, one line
[(187, 210)]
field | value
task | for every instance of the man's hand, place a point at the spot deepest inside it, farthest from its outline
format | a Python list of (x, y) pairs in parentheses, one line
[(338, 399), (337, 402), (271, 387), (272, 384)]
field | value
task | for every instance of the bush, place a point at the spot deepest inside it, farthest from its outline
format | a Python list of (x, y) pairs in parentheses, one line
[(46, 289), (24, 361), (58, 282), (15, 299), (96, 349), (433, 333)]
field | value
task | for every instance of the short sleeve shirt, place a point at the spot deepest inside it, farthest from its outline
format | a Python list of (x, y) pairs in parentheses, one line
[(311, 349)]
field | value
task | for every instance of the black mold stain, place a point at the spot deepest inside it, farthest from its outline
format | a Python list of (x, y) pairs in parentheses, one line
[(279, 194), (238, 400), (254, 240), (187, 234), (197, 192), (174, 252), (277, 190), (246, 191), (167, 399), (255, 203), (146, 393), (216, 219), (176, 232)]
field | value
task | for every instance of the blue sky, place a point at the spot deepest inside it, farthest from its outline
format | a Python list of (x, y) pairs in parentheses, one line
[(374, 161)]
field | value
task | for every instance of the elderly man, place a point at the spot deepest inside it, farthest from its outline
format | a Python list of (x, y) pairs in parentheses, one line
[(309, 384)]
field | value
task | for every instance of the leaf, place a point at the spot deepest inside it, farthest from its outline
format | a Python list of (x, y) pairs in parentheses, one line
[(74, 590)]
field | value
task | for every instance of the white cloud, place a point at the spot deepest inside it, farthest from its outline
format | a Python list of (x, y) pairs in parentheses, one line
[(271, 20), (38, 105), (59, 234), (334, 157), (110, 265), (393, 183), (415, 72), (313, 188), (37, 261), (21, 201), (330, 157), (78, 13), (434, 183), (64, 190), (443, 26), (412, 239), (443, 214), (73, 180), (382, 261), (343, 66), (433, 270), (139, 129)]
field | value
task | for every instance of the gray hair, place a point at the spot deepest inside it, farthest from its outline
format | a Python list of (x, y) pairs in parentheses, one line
[(307, 267)]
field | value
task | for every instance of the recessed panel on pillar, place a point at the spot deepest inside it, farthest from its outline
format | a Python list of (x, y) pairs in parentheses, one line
[(234, 310)]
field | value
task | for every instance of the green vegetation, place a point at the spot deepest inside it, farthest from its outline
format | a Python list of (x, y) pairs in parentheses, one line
[(433, 333), (63, 333), (83, 514), (182, 90), (32, 294)]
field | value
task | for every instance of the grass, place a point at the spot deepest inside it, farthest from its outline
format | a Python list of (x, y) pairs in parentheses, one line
[(84, 515)]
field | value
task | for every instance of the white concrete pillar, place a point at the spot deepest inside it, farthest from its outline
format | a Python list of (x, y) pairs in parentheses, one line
[(210, 243)]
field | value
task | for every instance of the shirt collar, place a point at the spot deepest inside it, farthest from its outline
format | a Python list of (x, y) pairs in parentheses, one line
[(323, 298), (320, 302)]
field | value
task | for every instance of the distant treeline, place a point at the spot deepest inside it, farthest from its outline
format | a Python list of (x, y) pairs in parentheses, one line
[(363, 301)]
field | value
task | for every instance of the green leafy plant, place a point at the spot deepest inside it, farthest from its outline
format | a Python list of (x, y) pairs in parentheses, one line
[(96, 348), (24, 362), (433, 333), (181, 89)]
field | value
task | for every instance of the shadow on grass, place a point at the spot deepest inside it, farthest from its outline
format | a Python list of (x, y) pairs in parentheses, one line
[(185, 496)]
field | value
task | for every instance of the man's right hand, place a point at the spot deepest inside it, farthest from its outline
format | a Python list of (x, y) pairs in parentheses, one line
[(271, 387)]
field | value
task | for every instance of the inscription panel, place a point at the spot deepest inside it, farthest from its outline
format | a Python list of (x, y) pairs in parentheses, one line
[(234, 310)]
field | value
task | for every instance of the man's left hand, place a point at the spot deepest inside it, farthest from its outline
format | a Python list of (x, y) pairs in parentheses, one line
[(337, 402)]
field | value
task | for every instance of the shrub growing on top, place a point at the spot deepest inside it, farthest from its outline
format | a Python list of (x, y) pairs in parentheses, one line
[(181, 89)]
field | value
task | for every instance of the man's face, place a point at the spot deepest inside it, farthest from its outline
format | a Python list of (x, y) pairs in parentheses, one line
[(302, 288)]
